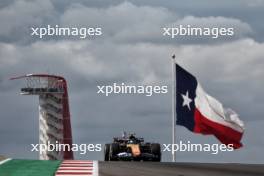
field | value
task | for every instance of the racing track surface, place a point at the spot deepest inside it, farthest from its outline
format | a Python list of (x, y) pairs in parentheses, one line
[(178, 169)]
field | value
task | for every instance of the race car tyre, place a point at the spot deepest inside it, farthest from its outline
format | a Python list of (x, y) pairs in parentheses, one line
[(114, 150), (106, 152), (155, 150)]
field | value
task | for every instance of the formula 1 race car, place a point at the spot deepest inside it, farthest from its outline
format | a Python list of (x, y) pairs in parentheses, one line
[(131, 148)]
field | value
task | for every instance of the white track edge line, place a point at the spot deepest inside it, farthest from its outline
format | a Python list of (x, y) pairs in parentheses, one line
[(2, 162), (95, 168)]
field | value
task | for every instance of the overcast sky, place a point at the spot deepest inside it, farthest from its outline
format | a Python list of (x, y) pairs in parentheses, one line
[(132, 50)]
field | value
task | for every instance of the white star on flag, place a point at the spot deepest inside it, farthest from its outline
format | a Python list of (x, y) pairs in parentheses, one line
[(186, 100)]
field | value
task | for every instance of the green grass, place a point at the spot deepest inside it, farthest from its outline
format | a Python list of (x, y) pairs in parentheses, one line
[(29, 168)]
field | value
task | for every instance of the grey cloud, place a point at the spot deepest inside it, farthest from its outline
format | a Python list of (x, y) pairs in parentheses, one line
[(118, 22), (5, 3), (17, 18), (241, 29)]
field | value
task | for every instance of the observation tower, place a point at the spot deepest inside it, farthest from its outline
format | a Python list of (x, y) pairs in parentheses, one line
[(54, 112)]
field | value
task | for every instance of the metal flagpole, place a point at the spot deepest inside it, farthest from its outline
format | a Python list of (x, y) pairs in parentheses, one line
[(173, 104)]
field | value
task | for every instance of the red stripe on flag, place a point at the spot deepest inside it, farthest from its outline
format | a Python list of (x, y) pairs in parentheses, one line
[(225, 134)]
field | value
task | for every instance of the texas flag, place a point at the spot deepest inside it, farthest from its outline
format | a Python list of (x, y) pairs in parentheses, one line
[(201, 113)]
